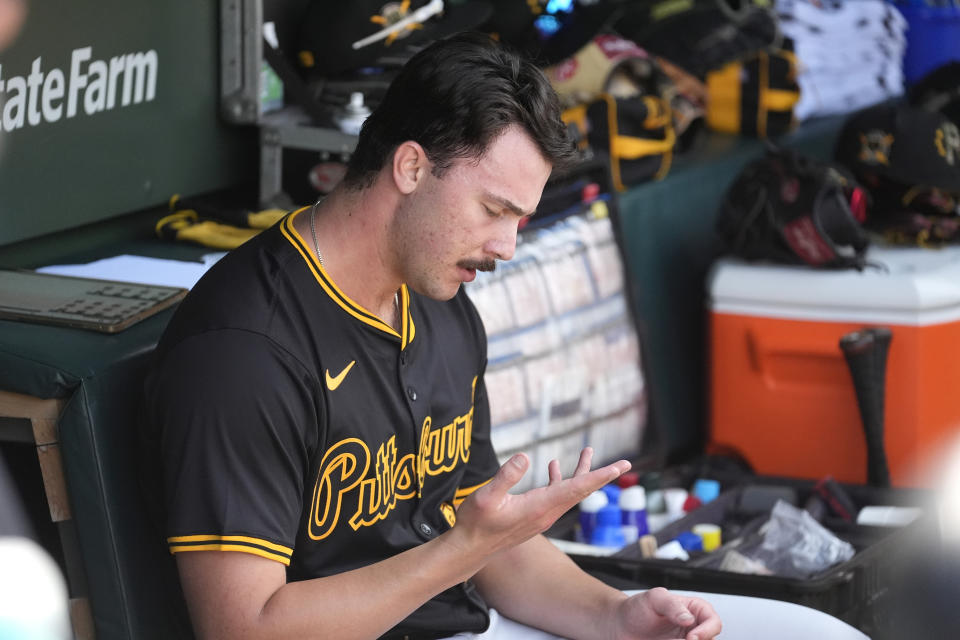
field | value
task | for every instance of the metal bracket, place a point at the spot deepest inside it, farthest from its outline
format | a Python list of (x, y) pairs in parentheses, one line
[(290, 128), (241, 56), (241, 61)]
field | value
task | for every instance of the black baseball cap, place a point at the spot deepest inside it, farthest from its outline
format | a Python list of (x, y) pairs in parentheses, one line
[(902, 143), (939, 90)]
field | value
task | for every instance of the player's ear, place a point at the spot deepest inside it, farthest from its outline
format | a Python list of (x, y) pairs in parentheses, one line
[(410, 164)]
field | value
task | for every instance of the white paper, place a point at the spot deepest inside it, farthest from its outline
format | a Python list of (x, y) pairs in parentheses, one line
[(139, 269)]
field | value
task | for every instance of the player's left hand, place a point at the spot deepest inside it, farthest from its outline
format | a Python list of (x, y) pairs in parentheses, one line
[(658, 614)]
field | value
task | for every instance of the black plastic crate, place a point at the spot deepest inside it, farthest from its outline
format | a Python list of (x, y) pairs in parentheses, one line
[(858, 591)]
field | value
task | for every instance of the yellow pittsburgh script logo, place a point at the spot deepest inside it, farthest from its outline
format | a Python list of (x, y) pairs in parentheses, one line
[(368, 486)]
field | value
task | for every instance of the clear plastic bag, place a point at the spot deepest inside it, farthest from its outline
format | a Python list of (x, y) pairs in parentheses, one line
[(792, 545)]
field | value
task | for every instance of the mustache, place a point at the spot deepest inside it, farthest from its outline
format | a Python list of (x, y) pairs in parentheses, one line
[(480, 265)]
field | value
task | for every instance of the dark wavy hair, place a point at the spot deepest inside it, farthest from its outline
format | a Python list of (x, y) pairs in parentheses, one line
[(454, 98)]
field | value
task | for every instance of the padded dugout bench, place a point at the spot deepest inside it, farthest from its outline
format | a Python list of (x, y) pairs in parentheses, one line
[(75, 393), (79, 390)]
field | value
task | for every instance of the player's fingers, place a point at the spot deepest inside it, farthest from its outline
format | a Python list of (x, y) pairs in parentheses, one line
[(686, 612), (553, 472), (583, 464), (558, 497), (580, 486), (508, 476), (709, 625), (671, 607)]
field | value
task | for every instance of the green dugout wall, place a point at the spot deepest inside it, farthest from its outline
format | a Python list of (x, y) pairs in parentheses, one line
[(109, 107)]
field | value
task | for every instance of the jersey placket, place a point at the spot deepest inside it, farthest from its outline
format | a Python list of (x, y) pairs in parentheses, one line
[(412, 385)]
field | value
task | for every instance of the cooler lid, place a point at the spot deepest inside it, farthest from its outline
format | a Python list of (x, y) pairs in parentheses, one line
[(907, 285)]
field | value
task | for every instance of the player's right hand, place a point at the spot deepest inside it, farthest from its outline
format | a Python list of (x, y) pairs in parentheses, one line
[(492, 519)]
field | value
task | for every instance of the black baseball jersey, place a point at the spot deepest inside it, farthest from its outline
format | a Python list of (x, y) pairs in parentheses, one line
[(293, 424)]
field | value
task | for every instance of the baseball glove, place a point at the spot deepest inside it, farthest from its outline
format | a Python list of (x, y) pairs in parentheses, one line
[(789, 208)]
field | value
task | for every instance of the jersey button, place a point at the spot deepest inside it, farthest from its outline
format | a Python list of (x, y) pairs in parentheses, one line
[(426, 529), (403, 359), (412, 393)]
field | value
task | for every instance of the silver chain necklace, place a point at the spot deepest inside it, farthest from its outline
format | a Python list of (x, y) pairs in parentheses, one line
[(316, 247), (313, 231)]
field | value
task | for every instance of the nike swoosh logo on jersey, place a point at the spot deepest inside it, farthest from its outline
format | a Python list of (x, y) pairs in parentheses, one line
[(334, 381)]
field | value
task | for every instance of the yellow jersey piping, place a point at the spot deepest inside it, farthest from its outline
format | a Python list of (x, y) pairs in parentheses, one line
[(323, 278)]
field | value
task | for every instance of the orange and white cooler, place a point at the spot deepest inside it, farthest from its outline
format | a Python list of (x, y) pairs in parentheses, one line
[(781, 394)]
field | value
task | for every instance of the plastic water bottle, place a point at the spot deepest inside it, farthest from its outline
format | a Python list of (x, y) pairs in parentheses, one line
[(633, 513), (589, 508), (609, 531), (651, 482)]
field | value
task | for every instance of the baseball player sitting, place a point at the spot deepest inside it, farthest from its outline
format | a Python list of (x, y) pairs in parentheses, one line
[(317, 405)]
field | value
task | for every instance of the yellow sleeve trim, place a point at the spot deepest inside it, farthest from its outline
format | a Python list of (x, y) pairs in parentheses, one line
[(247, 544), (207, 538), (461, 494), (285, 560)]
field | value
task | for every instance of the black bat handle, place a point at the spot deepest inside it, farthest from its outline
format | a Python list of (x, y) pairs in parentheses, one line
[(866, 355)]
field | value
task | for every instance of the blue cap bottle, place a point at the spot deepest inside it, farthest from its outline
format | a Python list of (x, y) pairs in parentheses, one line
[(633, 510), (706, 489), (608, 532), (589, 507)]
